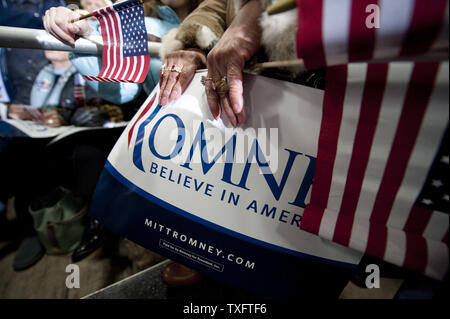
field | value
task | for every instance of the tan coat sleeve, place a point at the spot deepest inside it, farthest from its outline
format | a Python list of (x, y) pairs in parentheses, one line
[(202, 28)]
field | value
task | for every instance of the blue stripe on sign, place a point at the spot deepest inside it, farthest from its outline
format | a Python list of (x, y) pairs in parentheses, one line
[(206, 223), (137, 153)]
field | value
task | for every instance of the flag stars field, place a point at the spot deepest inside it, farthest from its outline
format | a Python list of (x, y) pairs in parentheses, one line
[(437, 183), (125, 57)]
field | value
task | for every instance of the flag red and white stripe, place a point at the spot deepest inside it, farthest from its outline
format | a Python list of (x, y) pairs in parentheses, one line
[(120, 32), (334, 32), (79, 93), (381, 131)]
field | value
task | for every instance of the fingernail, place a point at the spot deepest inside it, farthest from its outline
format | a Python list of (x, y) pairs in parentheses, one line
[(233, 122), (163, 101), (241, 117), (237, 109)]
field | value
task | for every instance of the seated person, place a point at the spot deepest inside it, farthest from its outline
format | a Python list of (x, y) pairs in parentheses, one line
[(21, 66), (54, 91), (57, 88), (161, 16)]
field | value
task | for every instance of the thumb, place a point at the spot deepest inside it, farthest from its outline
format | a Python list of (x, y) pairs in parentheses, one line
[(80, 28), (84, 27)]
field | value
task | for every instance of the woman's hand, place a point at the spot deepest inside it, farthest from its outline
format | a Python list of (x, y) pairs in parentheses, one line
[(53, 119), (57, 22), (177, 71), (18, 112), (226, 62)]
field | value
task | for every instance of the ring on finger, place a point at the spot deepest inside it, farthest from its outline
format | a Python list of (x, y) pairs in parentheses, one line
[(221, 86), (176, 68), (204, 79)]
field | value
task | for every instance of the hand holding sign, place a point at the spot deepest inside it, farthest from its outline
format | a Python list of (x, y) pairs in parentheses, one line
[(226, 62), (177, 72)]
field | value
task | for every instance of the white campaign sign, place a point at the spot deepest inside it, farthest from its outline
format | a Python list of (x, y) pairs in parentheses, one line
[(153, 153)]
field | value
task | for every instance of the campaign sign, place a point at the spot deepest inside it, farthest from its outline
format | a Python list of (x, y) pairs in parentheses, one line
[(225, 201)]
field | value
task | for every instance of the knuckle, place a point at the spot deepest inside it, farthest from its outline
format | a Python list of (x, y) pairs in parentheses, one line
[(58, 21)]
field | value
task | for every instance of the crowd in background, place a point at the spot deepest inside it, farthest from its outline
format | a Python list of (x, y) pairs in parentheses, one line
[(47, 87)]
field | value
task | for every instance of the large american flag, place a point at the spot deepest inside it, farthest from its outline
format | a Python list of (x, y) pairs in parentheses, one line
[(125, 53), (334, 32), (381, 177)]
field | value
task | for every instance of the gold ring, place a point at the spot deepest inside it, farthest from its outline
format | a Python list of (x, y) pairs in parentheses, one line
[(204, 79), (221, 84)]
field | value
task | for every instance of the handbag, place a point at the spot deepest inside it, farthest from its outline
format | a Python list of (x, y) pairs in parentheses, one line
[(60, 226)]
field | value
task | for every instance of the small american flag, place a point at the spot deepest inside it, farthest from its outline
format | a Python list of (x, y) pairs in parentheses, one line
[(381, 175), (79, 93), (125, 53)]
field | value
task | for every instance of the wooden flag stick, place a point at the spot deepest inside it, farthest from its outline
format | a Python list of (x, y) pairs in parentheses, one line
[(281, 6), (266, 65), (85, 16), (277, 64)]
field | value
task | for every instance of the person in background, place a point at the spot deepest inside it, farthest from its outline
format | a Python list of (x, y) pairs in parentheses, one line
[(161, 16), (20, 66), (164, 16), (23, 64), (54, 92)]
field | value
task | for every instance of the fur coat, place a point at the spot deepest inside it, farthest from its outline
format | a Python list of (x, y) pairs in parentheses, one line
[(204, 27)]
